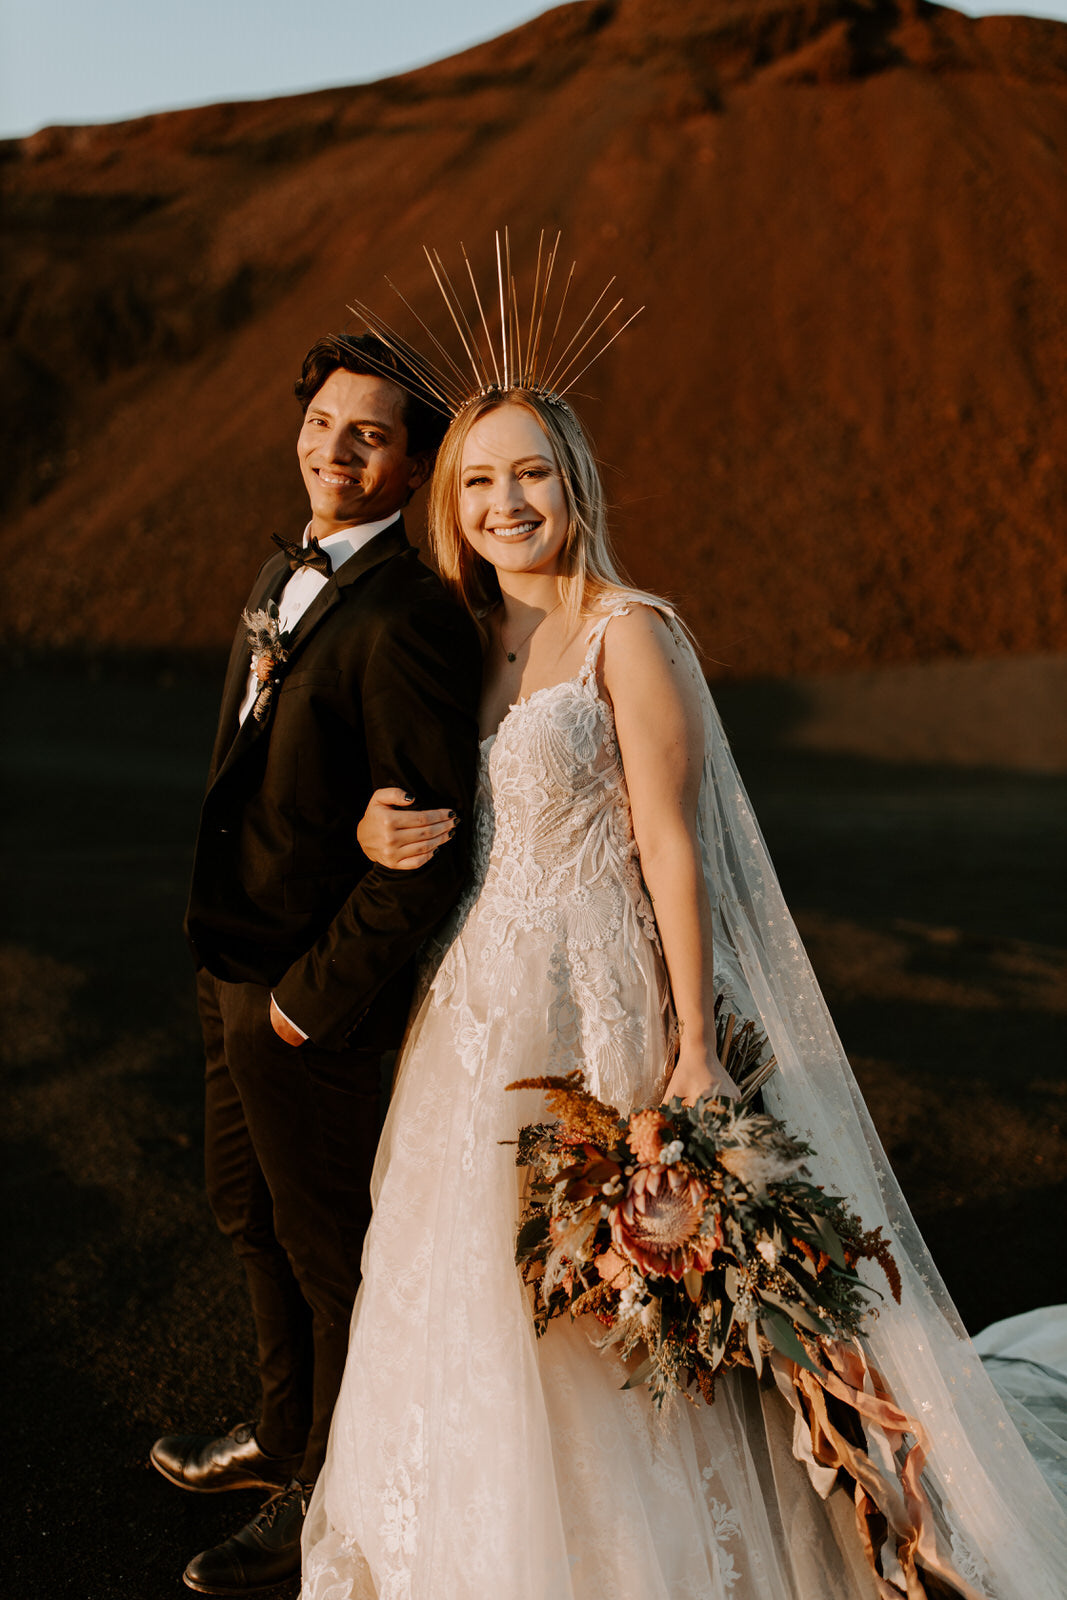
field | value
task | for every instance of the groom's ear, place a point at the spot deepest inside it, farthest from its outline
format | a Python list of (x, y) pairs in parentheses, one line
[(421, 467)]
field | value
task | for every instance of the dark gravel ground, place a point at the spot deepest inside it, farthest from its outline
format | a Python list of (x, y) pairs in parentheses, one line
[(928, 899)]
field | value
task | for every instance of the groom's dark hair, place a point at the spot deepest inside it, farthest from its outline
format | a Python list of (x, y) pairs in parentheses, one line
[(364, 353)]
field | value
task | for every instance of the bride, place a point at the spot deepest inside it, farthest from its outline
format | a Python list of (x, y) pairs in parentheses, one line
[(615, 854)]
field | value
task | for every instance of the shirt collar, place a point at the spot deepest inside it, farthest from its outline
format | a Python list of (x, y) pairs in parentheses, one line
[(341, 546)]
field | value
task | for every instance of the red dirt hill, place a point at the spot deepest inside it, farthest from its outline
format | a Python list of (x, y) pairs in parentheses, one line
[(837, 433)]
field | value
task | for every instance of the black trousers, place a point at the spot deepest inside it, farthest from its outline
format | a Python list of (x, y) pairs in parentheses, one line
[(291, 1135)]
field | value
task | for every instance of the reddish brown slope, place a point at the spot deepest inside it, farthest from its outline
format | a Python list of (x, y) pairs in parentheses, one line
[(838, 432)]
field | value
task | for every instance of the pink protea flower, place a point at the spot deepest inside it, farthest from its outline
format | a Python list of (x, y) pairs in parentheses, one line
[(645, 1135), (657, 1226)]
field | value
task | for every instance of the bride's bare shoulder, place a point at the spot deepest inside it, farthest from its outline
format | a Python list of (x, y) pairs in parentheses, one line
[(637, 624), (643, 656)]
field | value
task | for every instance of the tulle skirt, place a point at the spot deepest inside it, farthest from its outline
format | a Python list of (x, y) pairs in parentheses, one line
[(470, 1460)]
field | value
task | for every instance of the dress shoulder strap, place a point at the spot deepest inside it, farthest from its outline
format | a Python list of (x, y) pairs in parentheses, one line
[(596, 640), (619, 606)]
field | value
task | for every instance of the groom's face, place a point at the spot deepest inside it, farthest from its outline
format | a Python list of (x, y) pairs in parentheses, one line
[(353, 452)]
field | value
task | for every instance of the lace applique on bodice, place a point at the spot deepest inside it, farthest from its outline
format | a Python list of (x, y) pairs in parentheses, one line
[(553, 839), (555, 867)]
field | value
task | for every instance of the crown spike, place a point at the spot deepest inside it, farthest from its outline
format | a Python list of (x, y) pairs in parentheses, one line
[(503, 317), (593, 359), (511, 357), (431, 377), (478, 302), (561, 374), (546, 286), (559, 315), (512, 369), (533, 297), (479, 372), (429, 392), (460, 374), (424, 368), (579, 330), (519, 363), (514, 335)]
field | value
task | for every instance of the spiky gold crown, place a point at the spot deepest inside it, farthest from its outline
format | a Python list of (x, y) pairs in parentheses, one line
[(519, 354)]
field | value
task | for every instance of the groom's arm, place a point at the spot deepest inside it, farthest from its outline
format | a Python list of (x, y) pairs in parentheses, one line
[(420, 697)]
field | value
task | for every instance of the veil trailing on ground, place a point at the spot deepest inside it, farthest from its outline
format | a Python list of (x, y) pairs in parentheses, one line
[(998, 1522)]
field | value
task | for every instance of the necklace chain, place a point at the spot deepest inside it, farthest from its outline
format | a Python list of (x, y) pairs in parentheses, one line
[(511, 654)]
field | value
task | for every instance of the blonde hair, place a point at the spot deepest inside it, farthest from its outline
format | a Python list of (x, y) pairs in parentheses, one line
[(587, 566)]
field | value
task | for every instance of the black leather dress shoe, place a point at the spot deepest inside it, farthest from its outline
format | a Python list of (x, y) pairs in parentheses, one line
[(210, 1466), (264, 1552)]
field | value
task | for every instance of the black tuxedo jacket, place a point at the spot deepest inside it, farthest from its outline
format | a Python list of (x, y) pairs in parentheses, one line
[(380, 688)]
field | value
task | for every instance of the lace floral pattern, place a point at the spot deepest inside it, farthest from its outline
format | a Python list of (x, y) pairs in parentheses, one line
[(727, 1531), (402, 1492), (555, 865)]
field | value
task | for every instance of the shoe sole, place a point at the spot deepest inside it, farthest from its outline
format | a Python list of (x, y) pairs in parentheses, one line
[(270, 1485), (260, 1588)]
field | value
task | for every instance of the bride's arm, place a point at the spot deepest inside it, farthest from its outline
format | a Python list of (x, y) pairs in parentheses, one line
[(661, 741), (392, 836)]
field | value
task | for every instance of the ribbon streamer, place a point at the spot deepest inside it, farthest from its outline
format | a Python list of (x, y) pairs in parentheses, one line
[(894, 1517)]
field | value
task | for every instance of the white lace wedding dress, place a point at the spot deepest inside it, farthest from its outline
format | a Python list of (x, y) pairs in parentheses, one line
[(469, 1460)]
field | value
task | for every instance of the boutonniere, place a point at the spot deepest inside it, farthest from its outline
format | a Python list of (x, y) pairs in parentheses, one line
[(270, 652)]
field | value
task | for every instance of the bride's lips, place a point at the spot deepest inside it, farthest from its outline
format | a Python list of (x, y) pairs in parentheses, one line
[(521, 530)]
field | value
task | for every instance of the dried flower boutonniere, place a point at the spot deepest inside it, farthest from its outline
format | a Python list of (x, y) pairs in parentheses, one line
[(269, 652)]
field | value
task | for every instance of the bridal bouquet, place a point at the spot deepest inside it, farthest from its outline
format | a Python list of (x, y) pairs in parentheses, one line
[(695, 1237), (693, 1232)]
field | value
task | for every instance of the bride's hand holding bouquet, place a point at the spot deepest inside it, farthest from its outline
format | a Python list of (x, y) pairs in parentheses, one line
[(699, 1072)]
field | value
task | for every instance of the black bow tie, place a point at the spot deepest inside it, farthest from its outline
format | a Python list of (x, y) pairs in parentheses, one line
[(304, 555)]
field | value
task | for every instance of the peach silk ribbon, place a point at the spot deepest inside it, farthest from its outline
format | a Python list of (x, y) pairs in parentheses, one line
[(894, 1517)]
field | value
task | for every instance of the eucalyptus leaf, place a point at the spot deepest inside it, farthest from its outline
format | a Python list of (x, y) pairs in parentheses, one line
[(642, 1375), (754, 1349), (723, 1339), (861, 1283), (830, 1242), (784, 1339), (798, 1313)]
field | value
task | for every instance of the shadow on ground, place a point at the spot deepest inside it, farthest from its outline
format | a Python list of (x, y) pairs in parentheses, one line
[(925, 894)]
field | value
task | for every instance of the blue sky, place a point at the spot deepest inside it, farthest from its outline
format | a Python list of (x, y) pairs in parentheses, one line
[(103, 60)]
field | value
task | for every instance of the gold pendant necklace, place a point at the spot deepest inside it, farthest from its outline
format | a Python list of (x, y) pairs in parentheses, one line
[(511, 654)]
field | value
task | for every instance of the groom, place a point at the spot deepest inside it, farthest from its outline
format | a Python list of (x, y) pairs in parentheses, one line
[(304, 948)]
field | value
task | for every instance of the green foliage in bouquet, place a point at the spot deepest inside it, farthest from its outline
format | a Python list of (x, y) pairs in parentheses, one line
[(693, 1233)]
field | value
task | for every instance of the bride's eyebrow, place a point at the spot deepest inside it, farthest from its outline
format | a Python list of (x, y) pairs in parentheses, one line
[(524, 461)]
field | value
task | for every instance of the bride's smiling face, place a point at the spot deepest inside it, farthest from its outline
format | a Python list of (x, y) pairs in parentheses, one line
[(512, 508)]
